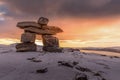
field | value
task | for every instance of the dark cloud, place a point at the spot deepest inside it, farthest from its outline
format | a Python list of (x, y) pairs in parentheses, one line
[(32, 8), (6, 12), (78, 8), (91, 8)]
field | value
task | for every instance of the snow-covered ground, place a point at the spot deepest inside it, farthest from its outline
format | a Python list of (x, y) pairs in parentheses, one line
[(69, 65)]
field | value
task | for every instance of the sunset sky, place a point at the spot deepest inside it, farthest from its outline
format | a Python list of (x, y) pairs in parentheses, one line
[(85, 23)]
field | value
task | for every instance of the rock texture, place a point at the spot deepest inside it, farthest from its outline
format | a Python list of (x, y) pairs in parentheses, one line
[(23, 47), (43, 21), (52, 49), (50, 41), (81, 76), (28, 37), (40, 31), (27, 24), (53, 28), (41, 27)]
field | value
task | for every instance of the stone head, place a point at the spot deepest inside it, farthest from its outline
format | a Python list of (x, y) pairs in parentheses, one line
[(43, 21)]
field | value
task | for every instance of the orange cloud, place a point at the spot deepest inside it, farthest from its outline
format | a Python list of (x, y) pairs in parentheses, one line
[(77, 31)]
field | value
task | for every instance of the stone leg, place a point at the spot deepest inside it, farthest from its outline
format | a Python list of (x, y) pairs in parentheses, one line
[(51, 43), (28, 37), (28, 43)]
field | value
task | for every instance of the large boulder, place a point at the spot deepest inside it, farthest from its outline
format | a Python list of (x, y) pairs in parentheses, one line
[(27, 24), (50, 41), (43, 21), (25, 47), (28, 37)]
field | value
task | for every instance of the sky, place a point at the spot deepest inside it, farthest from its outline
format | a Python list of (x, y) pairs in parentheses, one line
[(85, 23)]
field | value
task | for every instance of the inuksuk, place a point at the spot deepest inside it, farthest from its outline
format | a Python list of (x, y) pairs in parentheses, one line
[(31, 28)]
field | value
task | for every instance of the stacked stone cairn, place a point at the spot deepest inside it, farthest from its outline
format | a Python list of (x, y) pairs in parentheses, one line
[(50, 43)]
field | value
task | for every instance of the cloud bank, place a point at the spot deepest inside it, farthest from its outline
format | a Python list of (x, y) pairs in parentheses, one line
[(75, 8)]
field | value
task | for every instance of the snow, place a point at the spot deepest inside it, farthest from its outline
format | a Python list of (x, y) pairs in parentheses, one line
[(18, 66)]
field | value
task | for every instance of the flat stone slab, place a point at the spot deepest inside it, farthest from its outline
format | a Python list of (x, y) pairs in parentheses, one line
[(25, 47), (53, 28), (40, 31), (45, 30), (27, 24)]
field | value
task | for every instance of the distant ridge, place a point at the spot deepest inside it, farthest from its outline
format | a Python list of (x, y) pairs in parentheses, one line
[(109, 49)]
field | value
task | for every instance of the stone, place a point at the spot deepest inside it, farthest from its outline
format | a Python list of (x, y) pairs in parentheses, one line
[(81, 76), (51, 44), (33, 59), (28, 37), (50, 41), (97, 74), (68, 63), (52, 49), (83, 69), (24, 47), (40, 31), (36, 60), (43, 21), (27, 24), (53, 28), (42, 70)]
